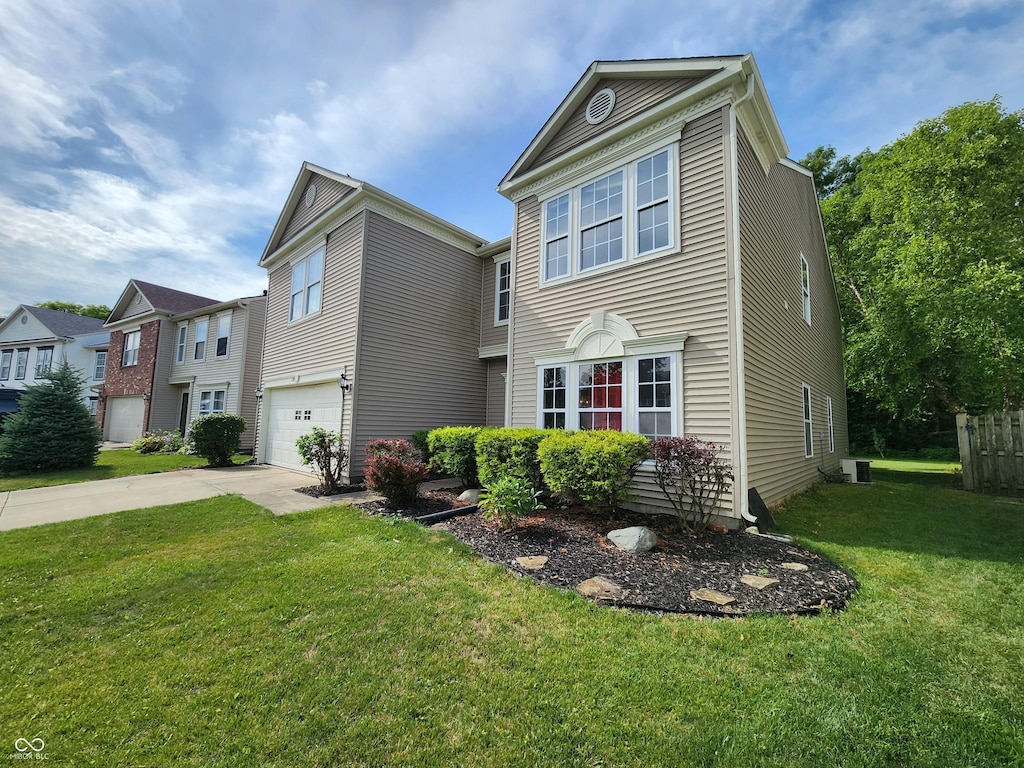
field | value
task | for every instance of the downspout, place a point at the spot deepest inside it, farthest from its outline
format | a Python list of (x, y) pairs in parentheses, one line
[(737, 289)]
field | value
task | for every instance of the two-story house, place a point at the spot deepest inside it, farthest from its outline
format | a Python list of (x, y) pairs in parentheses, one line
[(33, 340), (175, 356), (667, 274)]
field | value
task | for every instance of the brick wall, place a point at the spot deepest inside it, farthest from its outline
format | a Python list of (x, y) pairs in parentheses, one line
[(133, 379)]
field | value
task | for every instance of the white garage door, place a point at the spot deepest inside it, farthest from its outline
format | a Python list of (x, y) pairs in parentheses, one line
[(294, 411), (124, 418)]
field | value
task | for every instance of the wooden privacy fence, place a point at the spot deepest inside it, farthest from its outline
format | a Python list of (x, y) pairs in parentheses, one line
[(992, 452)]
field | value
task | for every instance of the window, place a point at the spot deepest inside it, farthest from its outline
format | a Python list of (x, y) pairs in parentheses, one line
[(553, 386), (805, 282), (627, 213), (44, 360), (93, 405), (223, 333), (654, 396), (130, 356), (307, 286), (211, 401), (600, 395), (99, 370), (808, 431), (831, 432), (202, 328), (5, 364), (503, 292), (182, 336), (21, 366)]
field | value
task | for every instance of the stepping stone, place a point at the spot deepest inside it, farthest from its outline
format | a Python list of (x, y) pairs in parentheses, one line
[(600, 588), (758, 582), (534, 563), (799, 567), (712, 596)]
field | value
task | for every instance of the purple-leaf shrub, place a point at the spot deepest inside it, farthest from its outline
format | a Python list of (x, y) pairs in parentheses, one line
[(393, 469), (692, 476)]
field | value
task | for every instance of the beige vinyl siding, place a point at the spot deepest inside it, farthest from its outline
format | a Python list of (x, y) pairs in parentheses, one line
[(632, 96), (778, 221), (490, 334), (681, 292), (496, 369), (328, 193), (163, 407), (254, 315), (418, 364), (135, 308)]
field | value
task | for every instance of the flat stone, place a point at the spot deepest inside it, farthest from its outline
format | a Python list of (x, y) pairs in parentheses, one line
[(712, 596), (718, 528), (472, 495), (758, 582), (600, 588), (533, 563), (752, 529), (635, 539), (800, 567)]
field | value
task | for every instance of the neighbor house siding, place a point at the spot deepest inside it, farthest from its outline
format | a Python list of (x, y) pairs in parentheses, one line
[(255, 316), (779, 221), (418, 364), (328, 194), (490, 334), (681, 292), (632, 96), (135, 307), (164, 402)]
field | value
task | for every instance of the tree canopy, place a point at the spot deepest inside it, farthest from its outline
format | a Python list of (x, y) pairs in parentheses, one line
[(927, 244), (99, 311)]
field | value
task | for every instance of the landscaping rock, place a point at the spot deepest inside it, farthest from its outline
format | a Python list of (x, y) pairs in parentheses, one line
[(758, 582), (712, 596), (471, 495), (799, 567), (718, 528), (600, 588), (635, 539), (534, 563), (752, 529)]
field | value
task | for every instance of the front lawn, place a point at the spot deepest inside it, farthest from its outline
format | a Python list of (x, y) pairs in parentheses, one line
[(214, 634), (116, 463)]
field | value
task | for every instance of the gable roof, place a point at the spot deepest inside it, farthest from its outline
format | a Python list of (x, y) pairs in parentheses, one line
[(164, 300), (64, 323)]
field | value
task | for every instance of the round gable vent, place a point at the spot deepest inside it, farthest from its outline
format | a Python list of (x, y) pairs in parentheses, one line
[(601, 105), (310, 194)]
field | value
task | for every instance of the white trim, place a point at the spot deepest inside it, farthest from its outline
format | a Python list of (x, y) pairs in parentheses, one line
[(180, 343), (302, 379), (227, 346), (794, 166), (805, 288), (831, 425), (498, 291), (807, 419), (205, 340), (495, 350), (321, 249)]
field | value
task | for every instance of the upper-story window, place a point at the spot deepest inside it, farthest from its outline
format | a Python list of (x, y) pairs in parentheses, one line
[(624, 214), (503, 292), (21, 366), (5, 364), (99, 370), (130, 356), (179, 356), (202, 328), (805, 285), (307, 285), (223, 333), (44, 360)]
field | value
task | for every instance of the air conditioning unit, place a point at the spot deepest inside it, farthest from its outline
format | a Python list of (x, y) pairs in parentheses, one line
[(857, 470)]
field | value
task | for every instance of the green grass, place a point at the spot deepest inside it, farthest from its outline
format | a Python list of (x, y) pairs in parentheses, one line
[(214, 634), (115, 463)]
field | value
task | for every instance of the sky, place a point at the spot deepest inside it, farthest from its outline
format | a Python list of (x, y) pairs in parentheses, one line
[(159, 140)]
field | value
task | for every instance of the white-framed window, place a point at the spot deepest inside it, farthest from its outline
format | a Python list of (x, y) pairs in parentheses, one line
[(805, 288), (625, 213), (179, 356), (44, 360), (599, 395), (199, 348), (831, 431), (21, 364), (99, 368), (654, 377), (130, 355), (5, 364), (93, 405), (223, 334), (553, 384), (503, 292), (808, 427), (307, 286), (211, 401)]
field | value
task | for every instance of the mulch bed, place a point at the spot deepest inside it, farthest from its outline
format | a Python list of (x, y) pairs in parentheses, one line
[(317, 491)]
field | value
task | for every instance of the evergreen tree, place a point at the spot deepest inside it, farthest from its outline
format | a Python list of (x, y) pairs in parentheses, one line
[(52, 428)]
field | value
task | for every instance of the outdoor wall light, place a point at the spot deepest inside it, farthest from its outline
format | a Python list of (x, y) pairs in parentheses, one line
[(343, 383)]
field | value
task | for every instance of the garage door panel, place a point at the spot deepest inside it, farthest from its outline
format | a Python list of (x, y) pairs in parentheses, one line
[(124, 418), (293, 413)]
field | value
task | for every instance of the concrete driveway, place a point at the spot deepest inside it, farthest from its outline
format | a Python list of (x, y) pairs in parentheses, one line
[(270, 487)]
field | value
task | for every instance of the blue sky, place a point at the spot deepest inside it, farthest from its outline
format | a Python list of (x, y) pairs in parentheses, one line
[(158, 140)]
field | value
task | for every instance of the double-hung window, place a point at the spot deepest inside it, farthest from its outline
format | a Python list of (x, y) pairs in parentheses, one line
[(44, 360), (130, 355), (805, 288), (202, 329), (652, 201), (808, 427), (99, 370), (5, 364), (601, 222), (223, 333), (307, 286), (503, 292), (831, 429), (211, 401), (182, 336), (556, 238), (600, 395), (21, 365), (553, 396), (654, 396)]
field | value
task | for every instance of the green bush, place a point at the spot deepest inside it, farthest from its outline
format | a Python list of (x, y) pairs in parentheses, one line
[(393, 469), (510, 452), (217, 437), (159, 441), (453, 452), (508, 500), (594, 468), (325, 452), (420, 442), (52, 428)]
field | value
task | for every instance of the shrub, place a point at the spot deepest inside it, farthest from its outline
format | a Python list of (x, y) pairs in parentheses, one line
[(159, 441), (393, 469), (592, 467), (509, 499), (52, 428), (510, 452), (692, 476), (421, 443), (147, 444), (325, 452), (217, 437), (453, 452)]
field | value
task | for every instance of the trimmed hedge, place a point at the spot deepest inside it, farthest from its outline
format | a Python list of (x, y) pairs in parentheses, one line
[(592, 467), (511, 452), (453, 452), (217, 437)]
